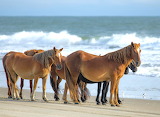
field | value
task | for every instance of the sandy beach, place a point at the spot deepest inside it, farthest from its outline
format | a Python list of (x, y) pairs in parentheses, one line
[(39, 108)]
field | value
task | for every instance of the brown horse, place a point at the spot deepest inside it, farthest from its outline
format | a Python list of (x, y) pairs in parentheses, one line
[(54, 81), (28, 53), (110, 67), (31, 67)]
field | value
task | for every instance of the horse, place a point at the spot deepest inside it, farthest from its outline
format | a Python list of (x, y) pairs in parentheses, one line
[(31, 67), (28, 53), (109, 67), (54, 81), (105, 84)]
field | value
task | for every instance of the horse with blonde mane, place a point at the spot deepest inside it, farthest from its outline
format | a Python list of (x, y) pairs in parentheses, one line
[(31, 67), (109, 67)]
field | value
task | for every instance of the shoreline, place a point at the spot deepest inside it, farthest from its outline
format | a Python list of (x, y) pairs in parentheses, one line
[(39, 108)]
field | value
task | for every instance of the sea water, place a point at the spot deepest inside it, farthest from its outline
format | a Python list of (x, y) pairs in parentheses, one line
[(96, 35)]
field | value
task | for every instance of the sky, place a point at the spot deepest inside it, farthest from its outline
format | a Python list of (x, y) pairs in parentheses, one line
[(79, 7)]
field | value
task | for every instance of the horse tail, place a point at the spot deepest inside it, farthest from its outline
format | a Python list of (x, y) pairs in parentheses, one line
[(69, 80), (86, 93), (8, 76)]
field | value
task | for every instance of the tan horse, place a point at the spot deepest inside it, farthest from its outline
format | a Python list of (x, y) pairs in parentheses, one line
[(31, 67), (110, 67), (28, 53)]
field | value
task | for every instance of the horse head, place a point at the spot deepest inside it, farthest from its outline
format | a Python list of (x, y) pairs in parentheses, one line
[(135, 53), (57, 58), (133, 66)]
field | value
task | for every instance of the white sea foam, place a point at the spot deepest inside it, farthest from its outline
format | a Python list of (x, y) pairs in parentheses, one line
[(150, 67), (22, 41)]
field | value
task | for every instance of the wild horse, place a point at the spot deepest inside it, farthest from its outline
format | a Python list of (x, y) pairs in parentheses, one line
[(109, 67), (30, 67)]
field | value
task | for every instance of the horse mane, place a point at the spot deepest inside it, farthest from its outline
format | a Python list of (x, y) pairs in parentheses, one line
[(120, 56), (43, 58)]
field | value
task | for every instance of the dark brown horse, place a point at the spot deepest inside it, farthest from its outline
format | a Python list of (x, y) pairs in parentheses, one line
[(109, 67), (31, 67)]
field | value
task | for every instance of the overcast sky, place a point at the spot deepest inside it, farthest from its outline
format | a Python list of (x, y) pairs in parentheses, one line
[(79, 7)]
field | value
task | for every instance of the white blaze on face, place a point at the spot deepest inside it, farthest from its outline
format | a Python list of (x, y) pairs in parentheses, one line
[(138, 50), (59, 56)]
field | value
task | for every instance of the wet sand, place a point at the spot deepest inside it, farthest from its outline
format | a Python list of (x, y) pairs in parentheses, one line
[(39, 108)]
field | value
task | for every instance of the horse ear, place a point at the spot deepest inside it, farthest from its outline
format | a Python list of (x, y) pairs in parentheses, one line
[(132, 44), (54, 48), (61, 49)]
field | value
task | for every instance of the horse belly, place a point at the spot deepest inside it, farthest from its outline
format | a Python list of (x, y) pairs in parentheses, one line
[(94, 75)]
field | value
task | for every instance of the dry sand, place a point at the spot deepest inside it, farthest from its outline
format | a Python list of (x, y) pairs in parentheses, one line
[(39, 108)]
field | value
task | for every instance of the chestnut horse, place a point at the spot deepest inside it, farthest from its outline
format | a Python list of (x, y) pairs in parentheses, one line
[(109, 67), (56, 77), (31, 67), (105, 84), (28, 53), (54, 73)]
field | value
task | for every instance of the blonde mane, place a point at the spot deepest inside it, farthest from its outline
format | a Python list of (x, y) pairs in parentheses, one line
[(43, 57), (121, 55)]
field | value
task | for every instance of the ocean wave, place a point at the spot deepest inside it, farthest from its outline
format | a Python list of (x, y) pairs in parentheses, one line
[(22, 41), (64, 38)]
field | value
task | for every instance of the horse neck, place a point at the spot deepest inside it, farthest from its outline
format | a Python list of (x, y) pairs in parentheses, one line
[(121, 56)]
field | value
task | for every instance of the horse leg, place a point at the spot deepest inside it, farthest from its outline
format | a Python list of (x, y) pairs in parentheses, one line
[(112, 92), (44, 88), (31, 86), (14, 77), (53, 82), (58, 82), (116, 93), (21, 86), (34, 88), (98, 92), (9, 86), (104, 91), (119, 101), (65, 94), (82, 86)]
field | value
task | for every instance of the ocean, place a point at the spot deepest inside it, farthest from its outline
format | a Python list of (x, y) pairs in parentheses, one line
[(96, 35)]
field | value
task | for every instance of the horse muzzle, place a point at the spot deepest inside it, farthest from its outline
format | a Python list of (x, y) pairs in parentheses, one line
[(59, 67), (138, 63)]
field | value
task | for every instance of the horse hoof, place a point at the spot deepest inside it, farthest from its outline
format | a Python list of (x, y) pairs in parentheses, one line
[(118, 105), (9, 97), (65, 102), (98, 103), (112, 105), (76, 103), (57, 99), (45, 100), (119, 101), (33, 100), (103, 103), (18, 98)]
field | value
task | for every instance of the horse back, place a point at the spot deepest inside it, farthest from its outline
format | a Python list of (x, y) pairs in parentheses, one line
[(22, 65)]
